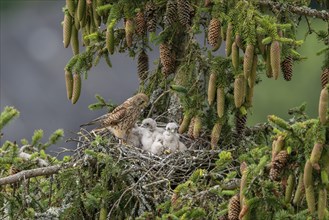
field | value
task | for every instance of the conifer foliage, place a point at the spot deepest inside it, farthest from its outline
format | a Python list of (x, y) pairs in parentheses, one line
[(275, 170)]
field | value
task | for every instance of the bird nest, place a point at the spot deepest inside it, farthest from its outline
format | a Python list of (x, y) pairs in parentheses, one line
[(150, 178)]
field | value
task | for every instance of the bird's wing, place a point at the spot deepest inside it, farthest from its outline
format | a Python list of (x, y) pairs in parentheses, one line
[(110, 118), (114, 117)]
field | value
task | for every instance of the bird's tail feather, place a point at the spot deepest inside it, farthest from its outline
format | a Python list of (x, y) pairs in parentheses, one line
[(89, 123), (95, 121)]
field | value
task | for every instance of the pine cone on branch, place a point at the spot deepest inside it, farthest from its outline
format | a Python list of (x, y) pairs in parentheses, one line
[(140, 24), (151, 17), (234, 208), (167, 59), (278, 164), (183, 7), (170, 16), (286, 68), (214, 37), (325, 77), (143, 65)]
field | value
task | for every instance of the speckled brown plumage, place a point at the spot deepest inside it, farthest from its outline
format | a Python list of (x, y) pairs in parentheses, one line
[(123, 117)]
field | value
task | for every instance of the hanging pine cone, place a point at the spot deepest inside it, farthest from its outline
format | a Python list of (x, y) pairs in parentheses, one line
[(70, 6), (67, 28), (69, 84), (151, 17), (234, 208), (286, 68), (235, 56), (323, 105), (229, 39), (143, 65), (238, 40), (212, 88), (214, 38), (240, 123), (170, 16), (278, 164), (184, 124), (248, 60), (197, 127), (110, 39), (220, 102), (191, 128), (183, 8), (74, 40), (325, 77), (239, 90), (167, 59), (76, 90), (275, 58), (140, 23), (215, 135), (129, 31)]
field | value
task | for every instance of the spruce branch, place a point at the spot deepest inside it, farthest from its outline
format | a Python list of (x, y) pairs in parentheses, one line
[(7, 115), (296, 10), (27, 174)]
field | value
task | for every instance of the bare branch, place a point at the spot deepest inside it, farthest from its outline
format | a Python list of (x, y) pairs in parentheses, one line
[(296, 10), (26, 174)]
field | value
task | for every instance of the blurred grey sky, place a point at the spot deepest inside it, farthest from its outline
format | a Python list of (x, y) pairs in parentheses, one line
[(32, 58), (32, 75)]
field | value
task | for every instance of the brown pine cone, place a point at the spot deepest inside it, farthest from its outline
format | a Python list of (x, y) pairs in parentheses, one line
[(234, 208), (167, 59), (183, 11), (140, 23), (143, 65), (170, 16), (286, 68), (151, 17), (325, 77), (214, 37), (191, 128), (278, 164)]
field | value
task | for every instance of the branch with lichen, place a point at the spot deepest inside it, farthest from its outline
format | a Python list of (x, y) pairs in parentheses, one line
[(296, 9), (27, 174)]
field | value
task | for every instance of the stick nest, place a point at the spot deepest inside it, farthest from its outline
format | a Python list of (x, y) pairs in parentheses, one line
[(150, 179)]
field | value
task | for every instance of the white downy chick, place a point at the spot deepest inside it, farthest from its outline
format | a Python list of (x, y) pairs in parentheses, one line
[(134, 137), (146, 135), (157, 146), (171, 137), (151, 125)]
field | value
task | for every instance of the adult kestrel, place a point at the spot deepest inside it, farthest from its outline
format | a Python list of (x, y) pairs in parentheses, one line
[(123, 118)]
